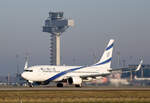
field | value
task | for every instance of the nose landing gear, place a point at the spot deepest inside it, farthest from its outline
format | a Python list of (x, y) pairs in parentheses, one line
[(30, 83)]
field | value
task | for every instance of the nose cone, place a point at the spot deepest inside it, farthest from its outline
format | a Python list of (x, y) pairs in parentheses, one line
[(23, 75)]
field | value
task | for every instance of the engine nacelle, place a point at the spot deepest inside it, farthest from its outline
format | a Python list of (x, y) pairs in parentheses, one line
[(74, 80)]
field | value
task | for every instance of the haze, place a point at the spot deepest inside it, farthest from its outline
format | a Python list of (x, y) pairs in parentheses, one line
[(96, 21)]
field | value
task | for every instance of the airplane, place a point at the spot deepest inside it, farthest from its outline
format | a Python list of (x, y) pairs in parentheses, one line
[(73, 75)]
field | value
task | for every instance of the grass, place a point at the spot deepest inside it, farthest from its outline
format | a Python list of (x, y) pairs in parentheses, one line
[(75, 96)]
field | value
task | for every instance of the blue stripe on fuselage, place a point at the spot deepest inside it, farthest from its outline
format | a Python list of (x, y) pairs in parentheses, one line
[(74, 69), (110, 46), (64, 72)]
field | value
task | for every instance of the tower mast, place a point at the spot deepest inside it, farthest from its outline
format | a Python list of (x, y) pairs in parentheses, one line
[(56, 24)]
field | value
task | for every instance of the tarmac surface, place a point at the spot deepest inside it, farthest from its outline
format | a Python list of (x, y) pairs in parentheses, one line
[(75, 89), (74, 95)]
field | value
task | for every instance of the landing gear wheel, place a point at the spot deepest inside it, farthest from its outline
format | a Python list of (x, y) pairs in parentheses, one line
[(78, 85), (59, 85), (30, 84)]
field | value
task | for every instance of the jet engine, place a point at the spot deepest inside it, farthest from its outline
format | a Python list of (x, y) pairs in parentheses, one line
[(75, 80)]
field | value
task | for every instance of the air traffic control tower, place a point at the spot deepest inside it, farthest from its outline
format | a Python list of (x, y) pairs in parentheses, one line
[(56, 24)]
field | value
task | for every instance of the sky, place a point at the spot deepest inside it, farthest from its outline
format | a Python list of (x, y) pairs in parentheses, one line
[(96, 21)]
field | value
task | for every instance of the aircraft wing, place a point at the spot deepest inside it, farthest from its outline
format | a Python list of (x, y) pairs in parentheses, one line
[(94, 76), (120, 69)]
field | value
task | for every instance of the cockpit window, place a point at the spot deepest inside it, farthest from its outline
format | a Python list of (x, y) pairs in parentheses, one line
[(28, 70)]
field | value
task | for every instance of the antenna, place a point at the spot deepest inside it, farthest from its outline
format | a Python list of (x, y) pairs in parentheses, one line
[(17, 74), (124, 62), (118, 54)]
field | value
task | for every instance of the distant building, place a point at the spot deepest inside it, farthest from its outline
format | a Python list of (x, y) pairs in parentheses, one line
[(143, 72)]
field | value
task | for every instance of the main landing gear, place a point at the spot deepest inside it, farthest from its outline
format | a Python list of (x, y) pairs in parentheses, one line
[(59, 84), (78, 85), (30, 84)]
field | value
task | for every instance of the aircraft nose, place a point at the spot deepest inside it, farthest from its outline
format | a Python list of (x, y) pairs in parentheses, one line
[(23, 75)]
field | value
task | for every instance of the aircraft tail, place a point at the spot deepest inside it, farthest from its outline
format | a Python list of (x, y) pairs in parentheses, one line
[(106, 58)]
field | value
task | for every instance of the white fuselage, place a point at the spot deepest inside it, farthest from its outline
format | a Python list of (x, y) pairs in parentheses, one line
[(58, 73)]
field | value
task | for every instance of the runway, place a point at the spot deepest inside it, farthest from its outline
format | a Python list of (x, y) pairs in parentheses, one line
[(74, 95), (75, 89)]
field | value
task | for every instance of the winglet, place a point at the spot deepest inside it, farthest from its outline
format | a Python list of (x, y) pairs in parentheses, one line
[(139, 66), (26, 63)]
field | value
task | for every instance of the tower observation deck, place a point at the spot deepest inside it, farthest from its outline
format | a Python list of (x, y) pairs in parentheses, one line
[(56, 24)]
